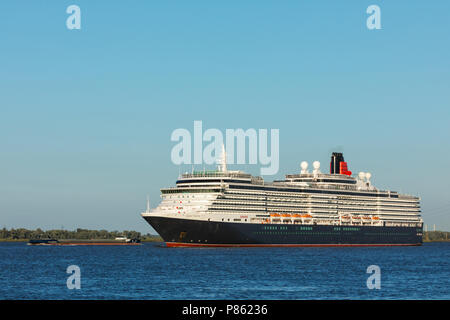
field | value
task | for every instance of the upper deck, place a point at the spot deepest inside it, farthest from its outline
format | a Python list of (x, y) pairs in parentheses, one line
[(324, 197), (338, 180)]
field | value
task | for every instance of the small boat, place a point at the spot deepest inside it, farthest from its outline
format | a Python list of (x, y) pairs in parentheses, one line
[(88, 242), (42, 242)]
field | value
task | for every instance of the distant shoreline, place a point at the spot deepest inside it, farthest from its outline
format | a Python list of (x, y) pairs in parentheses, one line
[(161, 240), (155, 239), (24, 235)]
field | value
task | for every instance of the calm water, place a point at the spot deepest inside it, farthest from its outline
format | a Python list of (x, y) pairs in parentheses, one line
[(152, 271)]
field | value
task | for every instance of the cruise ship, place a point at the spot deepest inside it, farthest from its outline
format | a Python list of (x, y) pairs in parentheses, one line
[(233, 208)]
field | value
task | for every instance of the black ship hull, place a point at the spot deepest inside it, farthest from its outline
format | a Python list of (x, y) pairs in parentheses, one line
[(189, 233)]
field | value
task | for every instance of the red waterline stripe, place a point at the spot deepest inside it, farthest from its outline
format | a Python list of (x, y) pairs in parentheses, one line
[(178, 244), (92, 244)]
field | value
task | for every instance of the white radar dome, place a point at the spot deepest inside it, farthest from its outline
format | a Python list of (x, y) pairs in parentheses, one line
[(362, 175), (368, 175), (316, 165), (304, 165)]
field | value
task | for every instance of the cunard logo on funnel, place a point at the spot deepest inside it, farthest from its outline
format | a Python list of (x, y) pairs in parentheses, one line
[(238, 143)]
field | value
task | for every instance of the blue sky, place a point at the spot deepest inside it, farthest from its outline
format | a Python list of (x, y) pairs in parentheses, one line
[(86, 115)]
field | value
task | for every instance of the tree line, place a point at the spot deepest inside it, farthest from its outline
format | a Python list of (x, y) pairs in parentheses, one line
[(79, 233), (85, 234), (436, 236)]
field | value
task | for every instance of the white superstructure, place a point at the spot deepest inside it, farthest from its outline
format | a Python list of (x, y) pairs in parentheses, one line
[(314, 198)]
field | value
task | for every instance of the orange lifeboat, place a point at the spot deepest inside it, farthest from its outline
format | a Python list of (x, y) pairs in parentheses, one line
[(287, 215), (296, 215), (375, 218), (274, 215), (356, 217), (306, 216)]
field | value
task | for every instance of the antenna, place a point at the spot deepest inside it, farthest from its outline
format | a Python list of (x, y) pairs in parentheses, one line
[(148, 204), (362, 175), (316, 166), (223, 161), (304, 166)]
